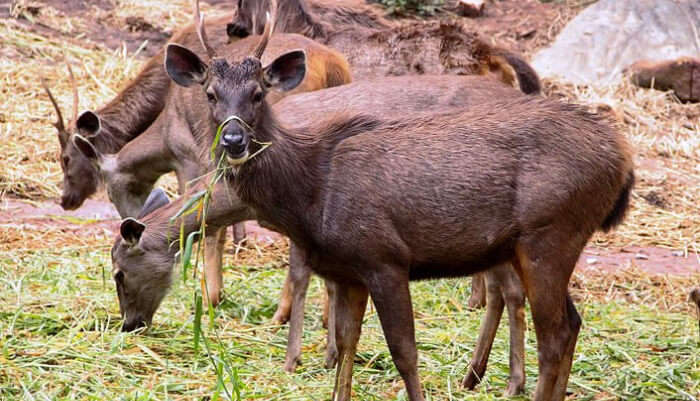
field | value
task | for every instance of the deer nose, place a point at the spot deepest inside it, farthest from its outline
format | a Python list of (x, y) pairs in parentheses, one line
[(234, 140), (133, 325)]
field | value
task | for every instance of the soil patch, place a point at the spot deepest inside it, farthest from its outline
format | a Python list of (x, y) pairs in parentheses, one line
[(100, 23)]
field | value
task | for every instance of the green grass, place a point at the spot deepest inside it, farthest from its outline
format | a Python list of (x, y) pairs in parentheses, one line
[(60, 340)]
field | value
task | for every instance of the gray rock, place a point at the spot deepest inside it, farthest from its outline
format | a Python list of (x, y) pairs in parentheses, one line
[(612, 34)]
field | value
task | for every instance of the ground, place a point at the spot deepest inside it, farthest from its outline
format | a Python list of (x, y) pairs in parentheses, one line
[(59, 335)]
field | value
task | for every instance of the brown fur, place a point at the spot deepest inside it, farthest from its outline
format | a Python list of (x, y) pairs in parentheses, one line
[(377, 47), (681, 75), (356, 215)]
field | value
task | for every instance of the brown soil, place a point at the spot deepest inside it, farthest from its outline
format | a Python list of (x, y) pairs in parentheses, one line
[(103, 26)]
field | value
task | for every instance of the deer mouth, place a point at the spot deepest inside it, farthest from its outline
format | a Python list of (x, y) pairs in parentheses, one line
[(235, 160)]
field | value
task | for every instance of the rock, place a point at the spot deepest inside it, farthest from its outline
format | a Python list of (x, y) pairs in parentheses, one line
[(682, 76), (470, 8), (610, 35)]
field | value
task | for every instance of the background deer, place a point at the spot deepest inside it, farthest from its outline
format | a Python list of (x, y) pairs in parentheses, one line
[(378, 47), (375, 202)]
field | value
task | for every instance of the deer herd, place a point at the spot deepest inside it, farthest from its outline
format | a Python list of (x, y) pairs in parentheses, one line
[(386, 151)]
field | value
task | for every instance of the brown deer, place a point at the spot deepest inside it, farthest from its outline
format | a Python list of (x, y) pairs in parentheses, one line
[(170, 143), (378, 47), (375, 202), (389, 96)]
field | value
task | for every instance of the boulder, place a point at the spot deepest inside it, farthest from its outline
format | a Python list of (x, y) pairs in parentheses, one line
[(606, 37)]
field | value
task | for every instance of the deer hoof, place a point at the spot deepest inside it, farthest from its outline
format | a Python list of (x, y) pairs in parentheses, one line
[(476, 302), (470, 380), (280, 317), (514, 389), (291, 364), (331, 358)]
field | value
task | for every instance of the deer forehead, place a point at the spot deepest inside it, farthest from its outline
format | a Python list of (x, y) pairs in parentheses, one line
[(237, 73)]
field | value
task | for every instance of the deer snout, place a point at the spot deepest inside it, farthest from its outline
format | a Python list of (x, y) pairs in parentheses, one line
[(132, 325), (70, 202), (234, 140)]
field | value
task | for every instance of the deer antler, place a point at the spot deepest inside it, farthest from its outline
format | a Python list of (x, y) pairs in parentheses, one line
[(199, 20), (74, 86), (59, 120), (267, 32)]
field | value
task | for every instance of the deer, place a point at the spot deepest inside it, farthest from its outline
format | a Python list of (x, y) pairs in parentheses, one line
[(374, 202), (170, 143), (378, 47), (122, 119), (390, 95)]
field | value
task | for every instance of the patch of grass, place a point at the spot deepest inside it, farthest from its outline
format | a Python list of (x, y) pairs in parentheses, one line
[(59, 329)]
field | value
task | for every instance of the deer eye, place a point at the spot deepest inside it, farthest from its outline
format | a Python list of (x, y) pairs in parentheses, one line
[(66, 159), (258, 97)]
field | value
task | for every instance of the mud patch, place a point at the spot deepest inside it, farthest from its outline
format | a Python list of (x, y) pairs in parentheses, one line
[(654, 260)]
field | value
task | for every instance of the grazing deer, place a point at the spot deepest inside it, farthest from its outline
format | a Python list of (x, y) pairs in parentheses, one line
[(377, 47), (374, 202), (388, 96), (170, 143)]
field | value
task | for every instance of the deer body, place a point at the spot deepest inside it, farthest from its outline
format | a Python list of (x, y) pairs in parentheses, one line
[(443, 196)]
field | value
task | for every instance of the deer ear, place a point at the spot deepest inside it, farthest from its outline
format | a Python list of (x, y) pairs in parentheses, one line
[(183, 66), (156, 199), (131, 230), (89, 123), (86, 148), (287, 71)]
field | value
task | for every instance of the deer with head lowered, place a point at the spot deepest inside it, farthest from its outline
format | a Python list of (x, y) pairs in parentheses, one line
[(171, 144), (375, 202), (121, 120)]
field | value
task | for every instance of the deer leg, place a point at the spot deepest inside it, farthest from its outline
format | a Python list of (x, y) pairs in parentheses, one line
[(560, 386), (478, 298), (514, 296), (350, 302), (299, 274), (331, 347), (284, 307), (489, 326), (545, 271), (213, 252), (239, 234), (326, 307), (392, 298)]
